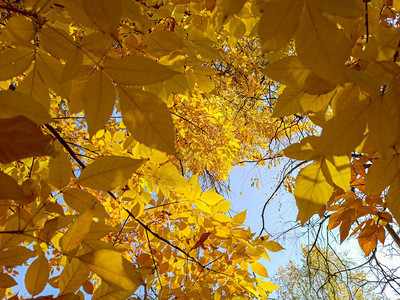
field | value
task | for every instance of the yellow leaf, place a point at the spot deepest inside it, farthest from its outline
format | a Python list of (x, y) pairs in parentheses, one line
[(321, 46), (9, 188), (148, 119), (288, 102), (77, 231), (211, 198), (56, 41), (6, 281), (307, 149), (60, 169), (288, 71), (73, 65), (278, 23), (311, 191), (104, 14), (98, 100), (14, 104), (344, 8), (259, 269), (223, 206), (239, 218), (19, 29), (393, 199), (109, 172), (114, 269), (222, 218), (14, 61), (383, 124), (34, 86), (15, 256), (273, 246), (231, 7), (169, 176), (381, 174), (137, 70), (339, 170), (21, 138), (80, 201), (98, 230), (315, 85), (344, 132), (202, 206), (72, 277), (50, 71), (106, 292), (268, 286), (37, 275)]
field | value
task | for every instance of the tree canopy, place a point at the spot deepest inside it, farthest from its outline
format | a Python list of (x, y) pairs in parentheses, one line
[(116, 117)]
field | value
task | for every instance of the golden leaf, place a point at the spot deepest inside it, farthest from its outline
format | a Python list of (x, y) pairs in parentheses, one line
[(108, 172), (114, 269), (77, 231), (137, 70), (15, 256), (312, 190), (72, 277), (278, 23), (98, 98), (19, 29), (14, 61), (21, 138), (60, 169), (9, 188), (80, 201), (37, 275), (259, 269), (321, 46), (147, 119)]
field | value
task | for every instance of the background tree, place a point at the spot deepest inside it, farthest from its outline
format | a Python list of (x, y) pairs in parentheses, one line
[(324, 274)]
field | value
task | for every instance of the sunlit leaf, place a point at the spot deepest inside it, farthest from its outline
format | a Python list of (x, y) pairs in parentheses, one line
[(60, 169), (147, 119), (98, 98), (311, 191), (72, 277), (77, 231), (108, 172), (114, 269)]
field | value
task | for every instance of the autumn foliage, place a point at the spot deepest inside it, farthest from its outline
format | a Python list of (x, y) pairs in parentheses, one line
[(111, 111)]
